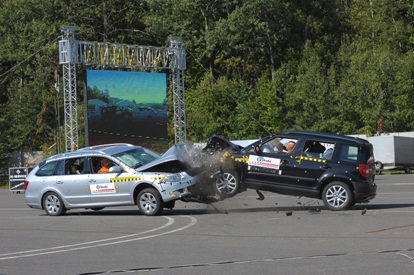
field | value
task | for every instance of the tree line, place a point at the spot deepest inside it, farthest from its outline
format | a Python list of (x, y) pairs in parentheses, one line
[(253, 66)]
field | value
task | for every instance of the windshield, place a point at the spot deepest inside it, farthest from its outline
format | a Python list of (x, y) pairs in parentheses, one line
[(137, 157)]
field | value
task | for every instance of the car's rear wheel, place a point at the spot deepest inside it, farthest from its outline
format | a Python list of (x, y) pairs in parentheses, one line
[(53, 204), (227, 184), (150, 202), (337, 196)]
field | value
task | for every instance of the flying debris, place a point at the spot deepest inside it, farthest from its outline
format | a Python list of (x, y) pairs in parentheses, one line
[(364, 211), (289, 213), (261, 196), (316, 210)]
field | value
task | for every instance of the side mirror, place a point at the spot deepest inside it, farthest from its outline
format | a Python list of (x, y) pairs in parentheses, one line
[(115, 169)]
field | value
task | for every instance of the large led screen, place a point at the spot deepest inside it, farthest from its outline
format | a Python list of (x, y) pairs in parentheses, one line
[(127, 107)]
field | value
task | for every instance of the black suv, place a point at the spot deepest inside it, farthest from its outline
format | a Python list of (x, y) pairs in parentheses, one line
[(340, 170)]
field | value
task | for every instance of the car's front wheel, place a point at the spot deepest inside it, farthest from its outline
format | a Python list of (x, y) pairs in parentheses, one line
[(227, 184), (53, 204), (337, 196), (150, 202)]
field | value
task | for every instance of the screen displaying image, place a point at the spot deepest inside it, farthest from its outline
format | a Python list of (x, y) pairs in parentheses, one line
[(127, 107)]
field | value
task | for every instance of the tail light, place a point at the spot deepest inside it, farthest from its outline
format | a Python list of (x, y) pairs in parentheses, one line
[(364, 170), (25, 185)]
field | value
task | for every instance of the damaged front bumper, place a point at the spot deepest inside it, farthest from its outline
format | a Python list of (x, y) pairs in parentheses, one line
[(177, 187), (183, 194)]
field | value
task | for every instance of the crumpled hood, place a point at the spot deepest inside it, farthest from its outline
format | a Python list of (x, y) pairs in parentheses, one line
[(181, 157), (178, 152), (216, 143)]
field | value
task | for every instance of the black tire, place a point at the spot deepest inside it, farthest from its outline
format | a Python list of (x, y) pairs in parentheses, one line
[(337, 196), (149, 202), (227, 184), (53, 204)]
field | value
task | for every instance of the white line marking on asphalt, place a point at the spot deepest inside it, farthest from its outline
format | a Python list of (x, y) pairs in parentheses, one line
[(411, 258), (87, 245)]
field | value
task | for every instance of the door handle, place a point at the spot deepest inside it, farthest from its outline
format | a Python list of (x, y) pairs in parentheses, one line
[(92, 181), (326, 166), (59, 182), (284, 162)]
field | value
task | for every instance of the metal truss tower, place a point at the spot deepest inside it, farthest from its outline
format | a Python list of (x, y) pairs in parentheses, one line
[(67, 57), (178, 96), (73, 53)]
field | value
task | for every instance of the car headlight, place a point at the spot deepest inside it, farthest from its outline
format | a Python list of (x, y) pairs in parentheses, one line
[(174, 177), (177, 176)]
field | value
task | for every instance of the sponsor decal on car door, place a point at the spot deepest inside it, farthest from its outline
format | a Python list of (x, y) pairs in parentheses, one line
[(102, 190), (269, 169), (264, 162)]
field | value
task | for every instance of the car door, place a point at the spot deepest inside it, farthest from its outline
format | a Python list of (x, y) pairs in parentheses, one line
[(72, 186), (315, 161), (269, 168), (108, 188)]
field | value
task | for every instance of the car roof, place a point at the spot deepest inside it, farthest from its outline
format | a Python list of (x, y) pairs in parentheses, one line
[(336, 137), (98, 150), (109, 149), (296, 134)]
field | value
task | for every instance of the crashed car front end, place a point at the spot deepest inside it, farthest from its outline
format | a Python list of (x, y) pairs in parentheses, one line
[(185, 175), (195, 171), (176, 186)]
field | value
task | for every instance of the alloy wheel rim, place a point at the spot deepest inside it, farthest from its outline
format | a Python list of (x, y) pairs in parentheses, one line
[(227, 183), (336, 196), (148, 202), (52, 204)]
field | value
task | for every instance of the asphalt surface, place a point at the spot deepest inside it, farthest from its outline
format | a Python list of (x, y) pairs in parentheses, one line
[(241, 235)]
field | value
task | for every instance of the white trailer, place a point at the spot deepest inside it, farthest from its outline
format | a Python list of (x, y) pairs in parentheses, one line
[(393, 152)]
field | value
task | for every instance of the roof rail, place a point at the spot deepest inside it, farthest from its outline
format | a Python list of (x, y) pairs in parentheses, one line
[(103, 146)]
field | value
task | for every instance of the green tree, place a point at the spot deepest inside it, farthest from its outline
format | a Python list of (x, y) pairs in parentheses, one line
[(109, 20), (254, 36), (29, 57), (211, 108)]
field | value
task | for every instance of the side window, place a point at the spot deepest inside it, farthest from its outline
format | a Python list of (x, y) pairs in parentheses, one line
[(47, 169), (74, 166), (101, 165), (60, 168), (349, 153), (279, 145), (318, 149)]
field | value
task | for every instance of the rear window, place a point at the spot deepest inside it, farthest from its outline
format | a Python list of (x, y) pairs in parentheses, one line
[(354, 153), (349, 153)]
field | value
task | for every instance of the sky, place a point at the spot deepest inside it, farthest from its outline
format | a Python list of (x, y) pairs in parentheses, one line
[(142, 87)]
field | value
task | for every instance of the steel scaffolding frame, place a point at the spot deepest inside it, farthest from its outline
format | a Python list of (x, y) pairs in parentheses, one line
[(178, 96), (74, 53), (68, 61)]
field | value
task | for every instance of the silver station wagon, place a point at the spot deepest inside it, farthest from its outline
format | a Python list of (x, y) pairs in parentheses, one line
[(108, 175)]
